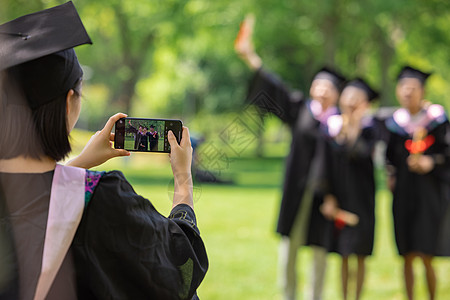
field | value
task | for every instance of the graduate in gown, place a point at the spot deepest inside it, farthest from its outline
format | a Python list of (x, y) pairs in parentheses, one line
[(418, 157), (153, 137), (67, 232), (143, 143), (307, 119), (138, 134), (351, 183)]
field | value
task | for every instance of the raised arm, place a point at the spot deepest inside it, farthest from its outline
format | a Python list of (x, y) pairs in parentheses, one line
[(131, 128), (181, 159), (266, 90), (243, 44)]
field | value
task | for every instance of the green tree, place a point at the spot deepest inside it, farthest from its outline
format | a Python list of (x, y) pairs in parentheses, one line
[(176, 58)]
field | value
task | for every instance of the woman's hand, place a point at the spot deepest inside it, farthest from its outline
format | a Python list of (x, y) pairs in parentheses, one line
[(99, 149), (243, 45), (181, 160)]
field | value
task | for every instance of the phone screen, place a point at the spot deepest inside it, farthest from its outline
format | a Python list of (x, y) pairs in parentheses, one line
[(145, 135)]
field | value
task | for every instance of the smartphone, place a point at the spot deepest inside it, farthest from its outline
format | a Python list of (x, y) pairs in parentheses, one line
[(146, 135)]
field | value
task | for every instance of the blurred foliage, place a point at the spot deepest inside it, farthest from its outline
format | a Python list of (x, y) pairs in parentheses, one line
[(175, 58)]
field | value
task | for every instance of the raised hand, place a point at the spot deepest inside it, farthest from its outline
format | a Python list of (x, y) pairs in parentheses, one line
[(243, 44), (99, 148)]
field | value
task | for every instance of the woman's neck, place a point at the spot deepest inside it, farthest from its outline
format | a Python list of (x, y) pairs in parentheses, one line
[(23, 164)]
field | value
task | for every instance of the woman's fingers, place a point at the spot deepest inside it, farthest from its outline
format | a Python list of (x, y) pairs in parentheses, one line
[(111, 121), (186, 138), (172, 140), (121, 152)]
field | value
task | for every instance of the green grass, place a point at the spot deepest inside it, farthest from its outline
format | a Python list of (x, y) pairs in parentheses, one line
[(237, 223), (129, 142)]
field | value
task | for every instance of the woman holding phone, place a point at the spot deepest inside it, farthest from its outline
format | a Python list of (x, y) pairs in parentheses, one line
[(67, 232)]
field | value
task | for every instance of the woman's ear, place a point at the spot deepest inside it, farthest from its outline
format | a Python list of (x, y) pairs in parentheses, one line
[(69, 97), (73, 107)]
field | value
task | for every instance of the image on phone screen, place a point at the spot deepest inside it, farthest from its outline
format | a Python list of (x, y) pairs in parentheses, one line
[(145, 135)]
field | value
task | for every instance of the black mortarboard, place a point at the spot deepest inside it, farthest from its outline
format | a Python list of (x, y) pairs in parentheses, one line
[(335, 77), (36, 50), (361, 84), (410, 72)]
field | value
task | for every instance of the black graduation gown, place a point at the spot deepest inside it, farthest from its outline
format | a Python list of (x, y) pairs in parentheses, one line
[(153, 139), (123, 248), (271, 95), (130, 251), (143, 142), (137, 136), (350, 174), (420, 201)]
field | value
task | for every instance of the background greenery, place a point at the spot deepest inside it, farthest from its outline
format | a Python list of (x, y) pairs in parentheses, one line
[(175, 59)]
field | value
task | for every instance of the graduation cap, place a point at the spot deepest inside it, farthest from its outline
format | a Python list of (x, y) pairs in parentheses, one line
[(361, 84), (335, 77), (410, 72), (37, 51)]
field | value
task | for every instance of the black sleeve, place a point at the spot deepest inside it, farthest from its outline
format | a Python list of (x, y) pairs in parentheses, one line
[(441, 156), (392, 160), (131, 129), (184, 215), (268, 92), (331, 168), (125, 249)]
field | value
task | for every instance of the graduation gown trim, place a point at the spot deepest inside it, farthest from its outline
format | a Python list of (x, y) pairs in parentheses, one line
[(398, 123), (336, 122), (64, 216)]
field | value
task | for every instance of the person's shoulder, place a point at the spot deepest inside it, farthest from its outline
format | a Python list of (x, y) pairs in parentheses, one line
[(436, 114), (114, 175), (397, 123), (114, 196), (114, 185)]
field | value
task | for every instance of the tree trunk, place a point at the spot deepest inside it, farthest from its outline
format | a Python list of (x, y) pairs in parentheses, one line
[(387, 53), (133, 58), (329, 27)]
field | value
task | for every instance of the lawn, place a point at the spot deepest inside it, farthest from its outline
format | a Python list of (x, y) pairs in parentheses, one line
[(237, 223)]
